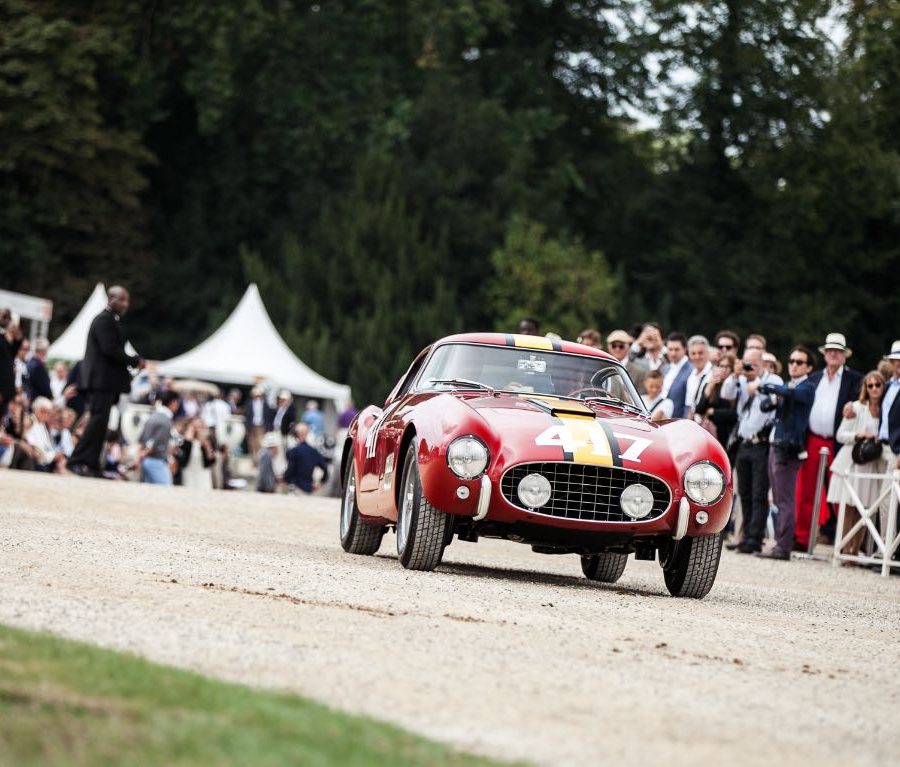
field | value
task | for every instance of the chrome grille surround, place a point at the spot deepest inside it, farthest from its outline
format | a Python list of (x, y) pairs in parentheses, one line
[(586, 492)]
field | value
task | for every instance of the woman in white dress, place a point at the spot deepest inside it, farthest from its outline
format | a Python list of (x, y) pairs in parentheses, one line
[(862, 425), (197, 472)]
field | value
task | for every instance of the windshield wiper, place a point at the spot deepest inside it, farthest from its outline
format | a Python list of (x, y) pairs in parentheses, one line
[(617, 402), (463, 382)]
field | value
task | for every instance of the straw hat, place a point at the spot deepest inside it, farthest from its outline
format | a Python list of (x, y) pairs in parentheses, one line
[(271, 439), (769, 357), (619, 335), (836, 341), (895, 351)]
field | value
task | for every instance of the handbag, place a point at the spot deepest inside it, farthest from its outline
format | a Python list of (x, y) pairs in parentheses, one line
[(866, 450)]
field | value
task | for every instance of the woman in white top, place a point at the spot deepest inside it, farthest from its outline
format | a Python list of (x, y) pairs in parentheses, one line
[(863, 425)]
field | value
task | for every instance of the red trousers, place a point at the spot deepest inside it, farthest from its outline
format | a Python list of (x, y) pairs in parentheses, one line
[(806, 488)]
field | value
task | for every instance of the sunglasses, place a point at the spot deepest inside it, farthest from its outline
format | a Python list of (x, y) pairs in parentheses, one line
[(726, 347), (874, 385), (797, 362), (617, 345)]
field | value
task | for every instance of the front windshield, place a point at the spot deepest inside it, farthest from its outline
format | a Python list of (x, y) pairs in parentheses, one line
[(506, 368)]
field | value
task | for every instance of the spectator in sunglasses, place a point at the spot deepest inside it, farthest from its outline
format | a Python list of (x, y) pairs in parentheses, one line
[(793, 402), (727, 342)]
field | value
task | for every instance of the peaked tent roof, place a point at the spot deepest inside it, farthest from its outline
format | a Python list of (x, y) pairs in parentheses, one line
[(71, 344), (247, 349)]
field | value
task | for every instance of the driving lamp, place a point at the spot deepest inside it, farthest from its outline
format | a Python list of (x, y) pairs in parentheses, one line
[(534, 491), (636, 501)]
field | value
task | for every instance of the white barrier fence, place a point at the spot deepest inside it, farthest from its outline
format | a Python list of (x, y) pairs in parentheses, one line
[(884, 508)]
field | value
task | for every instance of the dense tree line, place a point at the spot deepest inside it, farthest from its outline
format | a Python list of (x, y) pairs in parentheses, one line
[(391, 171)]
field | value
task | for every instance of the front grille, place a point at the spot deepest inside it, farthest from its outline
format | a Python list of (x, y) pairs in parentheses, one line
[(586, 492)]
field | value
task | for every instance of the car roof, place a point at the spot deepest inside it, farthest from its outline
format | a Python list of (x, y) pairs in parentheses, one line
[(525, 342)]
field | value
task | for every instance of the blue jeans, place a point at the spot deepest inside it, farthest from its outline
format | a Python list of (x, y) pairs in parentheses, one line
[(156, 471)]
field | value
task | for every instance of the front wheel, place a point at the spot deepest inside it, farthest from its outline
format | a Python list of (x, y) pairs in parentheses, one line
[(356, 536), (422, 530), (605, 567), (691, 567)]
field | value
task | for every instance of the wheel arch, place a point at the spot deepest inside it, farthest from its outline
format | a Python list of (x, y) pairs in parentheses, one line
[(409, 434)]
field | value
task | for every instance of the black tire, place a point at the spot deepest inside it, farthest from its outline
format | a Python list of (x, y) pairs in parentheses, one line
[(357, 537), (422, 529), (692, 567), (605, 567)]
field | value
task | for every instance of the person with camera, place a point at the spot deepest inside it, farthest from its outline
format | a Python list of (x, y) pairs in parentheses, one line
[(753, 429), (712, 407), (860, 450), (647, 353), (792, 404)]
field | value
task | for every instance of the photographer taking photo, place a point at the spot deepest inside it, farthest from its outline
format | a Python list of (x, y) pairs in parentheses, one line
[(788, 450)]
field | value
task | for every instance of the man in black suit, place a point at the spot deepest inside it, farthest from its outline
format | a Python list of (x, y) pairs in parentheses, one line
[(836, 385), (104, 376), (10, 341)]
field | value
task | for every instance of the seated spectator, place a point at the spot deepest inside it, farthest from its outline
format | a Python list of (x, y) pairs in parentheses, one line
[(302, 459), (48, 457), (265, 459)]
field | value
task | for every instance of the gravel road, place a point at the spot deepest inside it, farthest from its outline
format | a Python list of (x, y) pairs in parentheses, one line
[(500, 651)]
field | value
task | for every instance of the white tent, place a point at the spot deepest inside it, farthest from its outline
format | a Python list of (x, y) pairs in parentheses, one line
[(71, 344), (247, 349)]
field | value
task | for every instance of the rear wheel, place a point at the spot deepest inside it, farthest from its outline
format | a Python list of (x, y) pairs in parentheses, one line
[(356, 536), (691, 566), (422, 530), (605, 567)]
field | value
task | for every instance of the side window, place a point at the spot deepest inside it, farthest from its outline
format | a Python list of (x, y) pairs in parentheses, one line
[(405, 383)]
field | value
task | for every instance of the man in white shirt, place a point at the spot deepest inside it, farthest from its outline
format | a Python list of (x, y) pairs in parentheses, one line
[(836, 385), (698, 354)]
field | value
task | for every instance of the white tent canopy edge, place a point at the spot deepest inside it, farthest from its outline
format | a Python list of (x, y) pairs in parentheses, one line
[(247, 349)]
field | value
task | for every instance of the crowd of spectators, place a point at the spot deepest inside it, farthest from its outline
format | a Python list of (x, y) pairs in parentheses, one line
[(774, 428), (181, 441)]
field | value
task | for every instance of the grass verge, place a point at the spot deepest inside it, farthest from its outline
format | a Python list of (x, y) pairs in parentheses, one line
[(68, 703)]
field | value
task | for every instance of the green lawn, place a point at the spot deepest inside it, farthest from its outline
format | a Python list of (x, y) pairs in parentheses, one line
[(67, 703)]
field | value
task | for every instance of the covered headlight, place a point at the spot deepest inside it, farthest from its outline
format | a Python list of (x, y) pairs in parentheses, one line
[(467, 457), (636, 501), (704, 483), (534, 491)]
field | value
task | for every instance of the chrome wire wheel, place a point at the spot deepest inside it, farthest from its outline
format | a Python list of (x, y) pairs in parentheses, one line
[(406, 511), (347, 505)]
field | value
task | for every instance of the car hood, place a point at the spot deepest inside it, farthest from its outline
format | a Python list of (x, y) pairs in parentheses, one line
[(526, 427)]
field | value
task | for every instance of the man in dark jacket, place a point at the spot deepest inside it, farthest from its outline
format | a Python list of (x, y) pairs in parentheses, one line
[(38, 377), (104, 376), (301, 460), (10, 341), (788, 444)]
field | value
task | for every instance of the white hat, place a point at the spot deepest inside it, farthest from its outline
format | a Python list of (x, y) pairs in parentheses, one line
[(271, 439), (284, 394), (895, 351), (836, 341)]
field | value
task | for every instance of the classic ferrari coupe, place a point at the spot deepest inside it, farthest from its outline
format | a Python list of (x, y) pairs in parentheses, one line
[(541, 442)]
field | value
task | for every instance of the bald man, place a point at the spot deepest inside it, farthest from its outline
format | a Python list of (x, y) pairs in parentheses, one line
[(104, 376)]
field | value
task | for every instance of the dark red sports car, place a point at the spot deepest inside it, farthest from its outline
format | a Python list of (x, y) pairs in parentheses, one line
[(538, 441)]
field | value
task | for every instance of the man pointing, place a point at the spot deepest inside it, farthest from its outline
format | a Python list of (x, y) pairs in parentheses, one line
[(104, 376)]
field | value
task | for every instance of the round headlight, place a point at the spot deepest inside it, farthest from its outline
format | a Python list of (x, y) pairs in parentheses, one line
[(636, 501), (704, 483), (467, 457), (534, 491)]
